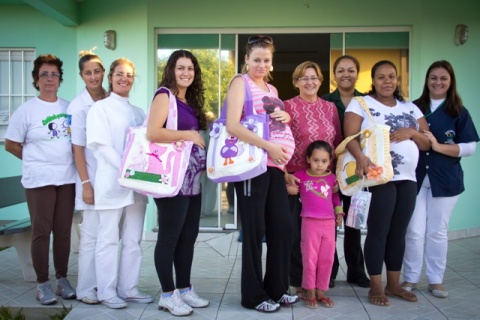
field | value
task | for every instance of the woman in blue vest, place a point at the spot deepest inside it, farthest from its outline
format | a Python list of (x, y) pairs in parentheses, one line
[(439, 177)]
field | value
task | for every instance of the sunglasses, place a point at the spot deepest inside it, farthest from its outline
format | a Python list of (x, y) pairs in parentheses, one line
[(257, 39)]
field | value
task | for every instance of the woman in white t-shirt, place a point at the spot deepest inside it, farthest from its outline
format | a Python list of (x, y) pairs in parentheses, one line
[(392, 203), (92, 72), (121, 211), (39, 135)]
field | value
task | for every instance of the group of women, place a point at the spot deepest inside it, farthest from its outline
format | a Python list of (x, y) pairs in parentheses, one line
[(42, 131)]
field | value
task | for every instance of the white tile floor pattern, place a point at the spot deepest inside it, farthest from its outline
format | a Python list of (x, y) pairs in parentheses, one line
[(216, 276)]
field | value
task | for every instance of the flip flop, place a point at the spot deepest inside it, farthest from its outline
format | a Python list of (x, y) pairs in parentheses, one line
[(381, 301), (405, 295), (311, 303), (326, 302)]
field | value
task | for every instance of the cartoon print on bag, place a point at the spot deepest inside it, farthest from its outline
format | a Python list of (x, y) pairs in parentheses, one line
[(155, 164), (271, 105), (139, 162), (52, 126), (230, 150)]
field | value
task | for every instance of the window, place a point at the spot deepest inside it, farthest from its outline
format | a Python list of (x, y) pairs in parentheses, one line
[(15, 82)]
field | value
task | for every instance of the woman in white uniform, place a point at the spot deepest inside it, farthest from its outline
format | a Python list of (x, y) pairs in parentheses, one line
[(121, 211), (92, 72)]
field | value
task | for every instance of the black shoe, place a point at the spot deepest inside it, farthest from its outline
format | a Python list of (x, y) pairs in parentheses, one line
[(362, 282), (331, 284)]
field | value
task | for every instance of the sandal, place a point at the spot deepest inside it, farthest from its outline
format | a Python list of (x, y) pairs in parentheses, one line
[(311, 303), (326, 302), (404, 295), (381, 301)]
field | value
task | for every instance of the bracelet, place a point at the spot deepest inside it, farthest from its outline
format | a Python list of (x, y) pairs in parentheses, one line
[(85, 181)]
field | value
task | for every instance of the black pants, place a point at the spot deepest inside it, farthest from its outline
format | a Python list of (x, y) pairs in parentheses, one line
[(296, 264), (390, 211), (352, 248), (178, 224), (264, 209)]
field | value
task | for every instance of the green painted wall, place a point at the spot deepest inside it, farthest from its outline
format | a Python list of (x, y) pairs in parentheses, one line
[(432, 38)]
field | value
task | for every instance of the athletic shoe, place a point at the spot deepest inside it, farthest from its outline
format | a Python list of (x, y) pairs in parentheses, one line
[(287, 300), (115, 303), (64, 289), (92, 299), (45, 293), (191, 298), (268, 306), (140, 297), (174, 304)]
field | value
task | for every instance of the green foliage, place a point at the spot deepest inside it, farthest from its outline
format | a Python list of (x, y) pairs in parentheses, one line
[(7, 314), (209, 63), (61, 315)]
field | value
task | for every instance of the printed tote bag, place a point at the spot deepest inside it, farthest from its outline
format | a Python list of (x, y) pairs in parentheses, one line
[(230, 159), (155, 169)]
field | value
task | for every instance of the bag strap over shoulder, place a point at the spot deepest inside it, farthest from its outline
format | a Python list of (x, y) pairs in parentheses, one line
[(363, 103), (248, 104), (172, 111), (341, 147)]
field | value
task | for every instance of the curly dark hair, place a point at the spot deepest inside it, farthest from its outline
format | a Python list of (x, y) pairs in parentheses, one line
[(195, 92), (45, 59), (397, 94), (453, 102)]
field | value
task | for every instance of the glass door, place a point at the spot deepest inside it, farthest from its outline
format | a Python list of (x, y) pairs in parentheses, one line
[(216, 55)]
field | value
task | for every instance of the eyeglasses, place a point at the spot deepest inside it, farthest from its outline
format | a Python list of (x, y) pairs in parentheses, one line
[(54, 75), (121, 75), (305, 79), (257, 39)]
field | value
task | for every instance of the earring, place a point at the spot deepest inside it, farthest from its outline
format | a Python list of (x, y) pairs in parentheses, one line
[(247, 67), (271, 68)]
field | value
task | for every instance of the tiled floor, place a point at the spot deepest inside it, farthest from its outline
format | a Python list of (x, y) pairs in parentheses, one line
[(216, 276)]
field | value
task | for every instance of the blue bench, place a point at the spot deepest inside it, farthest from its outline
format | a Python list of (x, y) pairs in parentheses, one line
[(16, 233)]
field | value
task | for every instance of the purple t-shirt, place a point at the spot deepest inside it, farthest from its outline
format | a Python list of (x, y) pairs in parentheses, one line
[(188, 121)]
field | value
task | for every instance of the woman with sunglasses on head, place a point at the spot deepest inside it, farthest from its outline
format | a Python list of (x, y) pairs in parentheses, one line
[(38, 134), (313, 119), (439, 177), (345, 71), (263, 200), (121, 211), (179, 216), (392, 203), (91, 72)]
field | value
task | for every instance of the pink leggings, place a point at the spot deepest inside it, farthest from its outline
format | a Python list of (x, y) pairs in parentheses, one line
[(318, 248)]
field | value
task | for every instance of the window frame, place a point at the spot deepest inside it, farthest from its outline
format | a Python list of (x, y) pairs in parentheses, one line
[(27, 57)]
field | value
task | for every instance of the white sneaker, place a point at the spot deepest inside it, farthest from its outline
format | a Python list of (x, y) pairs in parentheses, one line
[(268, 306), (90, 299), (140, 297), (174, 304), (115, 303), (193, 300)]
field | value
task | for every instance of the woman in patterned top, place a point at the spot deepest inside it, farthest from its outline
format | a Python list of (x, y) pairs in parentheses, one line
[(392, 203)]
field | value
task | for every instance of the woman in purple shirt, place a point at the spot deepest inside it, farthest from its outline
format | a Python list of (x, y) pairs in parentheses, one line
[(179, 216)]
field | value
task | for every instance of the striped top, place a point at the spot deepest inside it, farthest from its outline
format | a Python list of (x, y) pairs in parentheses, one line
[(280, 133)]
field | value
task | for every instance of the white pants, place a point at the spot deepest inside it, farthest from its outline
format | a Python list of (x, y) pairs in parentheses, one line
[(87, 280), (125, 224), (427, 232)]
